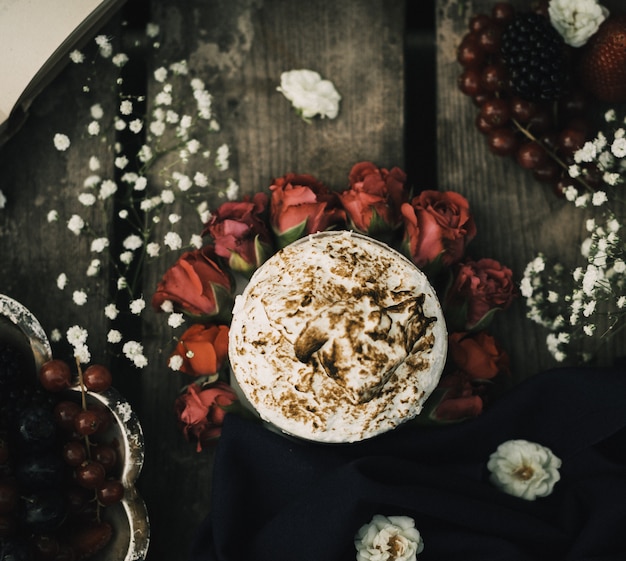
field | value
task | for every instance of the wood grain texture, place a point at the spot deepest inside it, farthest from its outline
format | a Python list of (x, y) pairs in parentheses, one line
[(516, 216)]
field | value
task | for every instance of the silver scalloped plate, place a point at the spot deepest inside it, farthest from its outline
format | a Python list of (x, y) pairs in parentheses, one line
[(129, 518)]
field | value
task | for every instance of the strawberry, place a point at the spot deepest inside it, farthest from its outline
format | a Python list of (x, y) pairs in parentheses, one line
[(603, 61)]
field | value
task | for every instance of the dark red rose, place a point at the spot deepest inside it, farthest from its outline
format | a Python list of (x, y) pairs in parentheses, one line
[(302, 205), (478, 355), (240, 233), (373, 201), (203, 349), (479, 289), (460, 400), (197, 285), (438, 227), (201, 411)]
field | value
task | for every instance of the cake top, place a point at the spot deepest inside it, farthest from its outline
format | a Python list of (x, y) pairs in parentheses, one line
[(336, 338)]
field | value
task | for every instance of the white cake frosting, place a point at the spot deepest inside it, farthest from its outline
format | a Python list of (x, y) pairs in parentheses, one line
[(337, 338)]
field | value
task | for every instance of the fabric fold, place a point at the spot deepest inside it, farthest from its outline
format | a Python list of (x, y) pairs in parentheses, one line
[(275, 497)]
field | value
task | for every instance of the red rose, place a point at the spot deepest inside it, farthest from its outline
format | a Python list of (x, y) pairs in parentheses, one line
[(301, 205), (201, 410), (460, 400), (438, 227), (480, 288), (203, 349), (373, 201), (240, 233), (478, 355), (197, 285)]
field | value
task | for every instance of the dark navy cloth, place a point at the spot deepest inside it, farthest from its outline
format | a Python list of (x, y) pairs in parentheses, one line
[(280, 499)]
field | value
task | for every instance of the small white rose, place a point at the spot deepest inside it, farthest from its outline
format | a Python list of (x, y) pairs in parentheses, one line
[(524, 469), (309, 94), (388, 538), (576, 20)]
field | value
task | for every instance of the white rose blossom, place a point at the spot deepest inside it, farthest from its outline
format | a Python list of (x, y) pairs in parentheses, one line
[(524, 469), (309, 94), (388, 538), (576, 20)]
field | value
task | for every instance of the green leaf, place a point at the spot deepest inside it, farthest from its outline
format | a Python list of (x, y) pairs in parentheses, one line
[(291, 235)]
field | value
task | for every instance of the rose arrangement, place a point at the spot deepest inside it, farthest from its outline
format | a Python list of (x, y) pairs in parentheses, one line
[(432, 228)]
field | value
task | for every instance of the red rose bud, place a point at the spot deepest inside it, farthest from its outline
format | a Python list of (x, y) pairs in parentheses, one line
[(479, 289), (478, 355), (202, 349), (240, 233), (438, 227), (201, 411), (373, 201), (197, 286), (301, 205)]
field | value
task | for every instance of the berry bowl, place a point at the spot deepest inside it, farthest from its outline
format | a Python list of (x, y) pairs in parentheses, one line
[(120, 529)]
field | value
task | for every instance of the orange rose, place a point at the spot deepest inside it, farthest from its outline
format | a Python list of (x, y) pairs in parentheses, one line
[(203, 349), (201, 411), (197, 285)]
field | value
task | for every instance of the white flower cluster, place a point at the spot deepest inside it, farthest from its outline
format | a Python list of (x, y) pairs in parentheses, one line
[(588, 299), (524, 469), (388, 538), (576, 20), (179, 145)]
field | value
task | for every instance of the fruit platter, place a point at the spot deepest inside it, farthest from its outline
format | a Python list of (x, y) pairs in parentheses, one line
[(71, 450)]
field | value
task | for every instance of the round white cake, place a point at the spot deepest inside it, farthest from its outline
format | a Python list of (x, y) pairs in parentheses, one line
[(337, 338)]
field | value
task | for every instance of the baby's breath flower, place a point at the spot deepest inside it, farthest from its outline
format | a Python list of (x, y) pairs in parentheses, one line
[(111, 311), (174, 218), (132, 242), (61, 142), (167, 306), (96, 111), (52, 216), (87, 199), (153, 249), (173, 241), (152, 30), (77, 57), (114, 336), (196, 241), (133, 350), (94, 163), (99, 245), (200, 179), (175, 362), (136, 126), (232, 190), (107, 189), (79, 297), (137, 306), (221, 159), (93, 128), (167, 196), (94, 268), (120, 59), (75, 224), (62, 281), (175, 320), (126, 257)]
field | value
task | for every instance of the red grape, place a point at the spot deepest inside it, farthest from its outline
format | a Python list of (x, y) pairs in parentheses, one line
[(55, 375), (97, 378), (496, 112), (111, 492), (74, 453), (530, 155), (65, 412), (502, 141), (90, 474), (86, 422)]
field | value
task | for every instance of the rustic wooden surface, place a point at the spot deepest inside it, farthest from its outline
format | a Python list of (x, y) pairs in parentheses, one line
[(516, 215), (239, 48)]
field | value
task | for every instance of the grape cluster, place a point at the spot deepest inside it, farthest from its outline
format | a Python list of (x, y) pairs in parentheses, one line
[(540, 135), (58, 470)]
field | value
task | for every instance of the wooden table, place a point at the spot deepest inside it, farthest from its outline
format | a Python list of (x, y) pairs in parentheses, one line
[(239, 48)]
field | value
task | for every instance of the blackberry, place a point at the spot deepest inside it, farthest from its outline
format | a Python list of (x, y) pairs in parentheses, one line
[(534, 54)]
